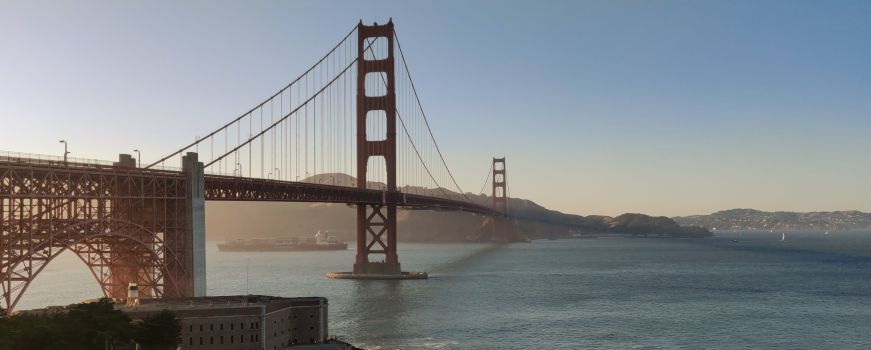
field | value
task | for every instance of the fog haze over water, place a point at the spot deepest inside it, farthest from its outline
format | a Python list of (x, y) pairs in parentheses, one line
[(810, 291)]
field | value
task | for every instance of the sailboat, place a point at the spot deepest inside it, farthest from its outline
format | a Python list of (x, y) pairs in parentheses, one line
[(737, 240), (782, 236)]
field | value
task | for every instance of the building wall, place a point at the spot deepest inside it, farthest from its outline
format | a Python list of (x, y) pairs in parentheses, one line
[(270, 325), (221, 332), (296, 322), (308, 323)]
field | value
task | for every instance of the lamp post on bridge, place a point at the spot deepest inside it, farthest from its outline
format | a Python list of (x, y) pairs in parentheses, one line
[(138, 158), (66, 152)]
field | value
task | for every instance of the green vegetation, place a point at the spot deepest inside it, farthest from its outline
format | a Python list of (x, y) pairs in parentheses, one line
[(158, 331), (88, 326)]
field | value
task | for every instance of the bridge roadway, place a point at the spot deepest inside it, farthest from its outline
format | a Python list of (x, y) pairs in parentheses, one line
[(235, 188), (146, 225)]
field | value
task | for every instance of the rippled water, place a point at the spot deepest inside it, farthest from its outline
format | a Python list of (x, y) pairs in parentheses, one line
[(811, 291)]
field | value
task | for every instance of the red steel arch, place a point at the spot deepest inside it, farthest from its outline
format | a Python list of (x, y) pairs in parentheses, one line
[(105, 247), (125, 224)]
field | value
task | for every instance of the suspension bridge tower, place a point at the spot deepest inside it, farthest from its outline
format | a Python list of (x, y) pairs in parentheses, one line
[(500, 201), (376, 222)]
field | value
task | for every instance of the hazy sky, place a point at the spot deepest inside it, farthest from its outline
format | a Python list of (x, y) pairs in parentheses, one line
[(601, 107)]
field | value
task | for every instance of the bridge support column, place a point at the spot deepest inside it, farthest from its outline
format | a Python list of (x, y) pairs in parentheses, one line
[(500, 201), (376, 234), (196, 224), (376, 222)]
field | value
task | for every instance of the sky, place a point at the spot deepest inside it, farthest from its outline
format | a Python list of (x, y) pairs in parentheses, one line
[(601, 107)]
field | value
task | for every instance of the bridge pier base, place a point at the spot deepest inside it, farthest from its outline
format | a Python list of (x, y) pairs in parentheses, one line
[(376, 228)]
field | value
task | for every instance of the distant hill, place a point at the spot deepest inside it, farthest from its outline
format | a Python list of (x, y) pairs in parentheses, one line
[(750, 219), (229, 220)]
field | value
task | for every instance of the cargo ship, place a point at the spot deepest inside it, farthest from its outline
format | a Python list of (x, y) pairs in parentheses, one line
[(322, 240)]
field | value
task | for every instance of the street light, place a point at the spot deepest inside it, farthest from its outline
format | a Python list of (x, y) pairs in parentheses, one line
[(138, 158), (66, 152)]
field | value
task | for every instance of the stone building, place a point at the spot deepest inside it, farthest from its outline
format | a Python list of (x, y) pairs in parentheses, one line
[(254, 322)]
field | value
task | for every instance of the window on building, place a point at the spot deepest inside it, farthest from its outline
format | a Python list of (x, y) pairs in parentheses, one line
[(231, 326), (201, 340), (211, 340), (191, 340), (231, 339), (222, 326), (222, 339), (241, 338), (211, 326), (191, 328), (252, 325), (252, 337), (201, 328)]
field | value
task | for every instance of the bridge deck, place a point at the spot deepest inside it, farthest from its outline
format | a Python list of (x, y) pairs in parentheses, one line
[(233, 188)]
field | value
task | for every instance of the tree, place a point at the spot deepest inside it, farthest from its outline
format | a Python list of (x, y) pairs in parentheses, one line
[(80, 326), (97, 324), (158, 331)]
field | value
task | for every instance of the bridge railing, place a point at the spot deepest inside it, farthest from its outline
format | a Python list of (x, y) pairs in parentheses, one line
[(43, 159), (53, 160)]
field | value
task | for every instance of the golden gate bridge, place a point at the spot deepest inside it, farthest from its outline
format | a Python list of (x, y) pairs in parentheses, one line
[(349, 113)]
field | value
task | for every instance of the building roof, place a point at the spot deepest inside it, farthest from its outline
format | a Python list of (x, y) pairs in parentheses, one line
[(220, 302)]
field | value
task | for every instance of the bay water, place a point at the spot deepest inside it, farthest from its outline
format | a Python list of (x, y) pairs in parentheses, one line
[(810, 291)]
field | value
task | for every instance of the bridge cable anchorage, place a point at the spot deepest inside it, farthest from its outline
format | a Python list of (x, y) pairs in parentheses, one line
[(304, 74)]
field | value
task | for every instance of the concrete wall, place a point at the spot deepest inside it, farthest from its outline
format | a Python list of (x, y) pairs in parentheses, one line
[(193, 170)]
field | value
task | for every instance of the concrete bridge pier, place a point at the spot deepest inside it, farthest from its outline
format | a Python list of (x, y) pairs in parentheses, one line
[(196, 222)]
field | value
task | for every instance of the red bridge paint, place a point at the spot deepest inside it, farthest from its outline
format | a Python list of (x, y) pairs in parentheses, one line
[(130, 224)]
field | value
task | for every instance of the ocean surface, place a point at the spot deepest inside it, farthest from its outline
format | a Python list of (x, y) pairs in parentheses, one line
[(811, 291)]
